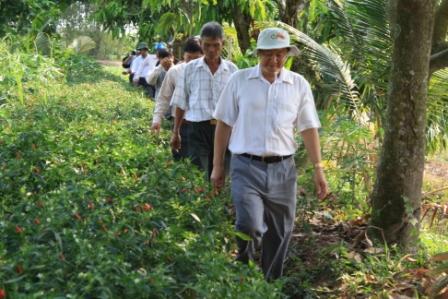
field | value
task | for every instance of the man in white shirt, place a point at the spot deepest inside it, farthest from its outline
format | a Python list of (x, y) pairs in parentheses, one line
[(197, 94), (258, 111), (135, 64), (145, 67), (192, 50)]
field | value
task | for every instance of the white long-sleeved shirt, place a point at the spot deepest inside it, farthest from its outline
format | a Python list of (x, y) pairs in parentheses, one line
[(166, 92)]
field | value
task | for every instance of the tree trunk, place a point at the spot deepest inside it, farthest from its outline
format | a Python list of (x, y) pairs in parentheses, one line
[(396, 198), (289, 9), (242, 23)]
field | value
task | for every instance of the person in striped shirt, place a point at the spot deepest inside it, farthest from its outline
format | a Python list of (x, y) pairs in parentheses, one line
[(196, 96)]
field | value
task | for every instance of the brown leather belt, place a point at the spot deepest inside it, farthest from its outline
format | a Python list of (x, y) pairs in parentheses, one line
[(267, 159), (213, 121)]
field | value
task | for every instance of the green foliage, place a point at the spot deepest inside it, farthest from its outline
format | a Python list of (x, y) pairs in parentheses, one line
[(24, 73), (93, 206), (349, 156)]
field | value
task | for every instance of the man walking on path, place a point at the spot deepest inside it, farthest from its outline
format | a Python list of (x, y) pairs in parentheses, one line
[(135, 64), (197, 94), (258, 111), (145, 67), (192, 50)]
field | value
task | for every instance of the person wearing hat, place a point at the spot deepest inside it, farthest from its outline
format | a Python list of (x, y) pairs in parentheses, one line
[(146, 66), (258, 113), (196, 96)]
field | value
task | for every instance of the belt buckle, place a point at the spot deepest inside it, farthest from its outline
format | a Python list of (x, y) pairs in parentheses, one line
[(265, 159), (213, 121)]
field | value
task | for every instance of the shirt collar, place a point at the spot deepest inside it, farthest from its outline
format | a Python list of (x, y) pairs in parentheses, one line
[(285, 75), (223, 65)]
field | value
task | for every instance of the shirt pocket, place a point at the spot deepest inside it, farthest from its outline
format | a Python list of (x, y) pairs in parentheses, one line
[(285, 112)]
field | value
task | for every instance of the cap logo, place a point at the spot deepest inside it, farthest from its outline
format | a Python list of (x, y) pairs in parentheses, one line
[(278, 35)]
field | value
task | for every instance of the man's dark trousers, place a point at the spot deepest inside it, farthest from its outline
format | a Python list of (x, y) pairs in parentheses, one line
[(183, 153), (202, 138), (149, 89)]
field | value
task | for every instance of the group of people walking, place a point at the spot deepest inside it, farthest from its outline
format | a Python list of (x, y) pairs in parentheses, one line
[(148, 70), (246, 119)]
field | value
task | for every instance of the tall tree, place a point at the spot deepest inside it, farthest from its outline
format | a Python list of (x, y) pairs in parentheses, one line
[(289, 10), (242, 21), (396, 198)]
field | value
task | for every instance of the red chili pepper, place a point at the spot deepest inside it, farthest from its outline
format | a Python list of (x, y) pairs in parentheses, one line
[(147, 207)]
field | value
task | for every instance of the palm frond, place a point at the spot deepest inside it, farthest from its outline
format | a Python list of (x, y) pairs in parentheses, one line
[(82, 44), (362, 32), (344, 25), (370, 22)]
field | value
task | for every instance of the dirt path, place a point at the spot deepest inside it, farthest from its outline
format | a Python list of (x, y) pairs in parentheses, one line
[(110, 62)]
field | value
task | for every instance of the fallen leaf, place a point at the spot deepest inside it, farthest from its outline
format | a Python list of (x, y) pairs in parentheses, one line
[(195, 217), (374, 250), (440, 257)]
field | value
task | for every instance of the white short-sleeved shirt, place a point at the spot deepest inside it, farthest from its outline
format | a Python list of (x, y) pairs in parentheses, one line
[(264, 116), (198, 90), (166, 92)]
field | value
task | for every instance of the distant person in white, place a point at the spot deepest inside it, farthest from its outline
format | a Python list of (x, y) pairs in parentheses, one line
[(145, 67), (135, 64), (259, 111)]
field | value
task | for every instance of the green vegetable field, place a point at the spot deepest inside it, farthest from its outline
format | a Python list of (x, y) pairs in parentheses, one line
[(93, 206)]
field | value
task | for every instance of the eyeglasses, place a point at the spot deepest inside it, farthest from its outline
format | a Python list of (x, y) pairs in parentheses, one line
[(271, 56)]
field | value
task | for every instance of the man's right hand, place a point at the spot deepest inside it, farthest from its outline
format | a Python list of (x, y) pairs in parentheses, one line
[(175, 141), (218, 178), (155, 128), (166, 62)]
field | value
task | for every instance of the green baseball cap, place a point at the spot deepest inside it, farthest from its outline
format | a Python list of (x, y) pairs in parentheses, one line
[(142, 46)]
